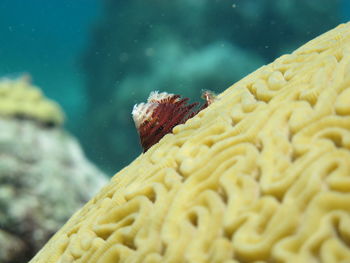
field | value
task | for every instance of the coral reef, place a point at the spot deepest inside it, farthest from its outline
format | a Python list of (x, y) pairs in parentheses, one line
[(181, 47), (44, 179), (19, 98), (44, 175), (261, 175)]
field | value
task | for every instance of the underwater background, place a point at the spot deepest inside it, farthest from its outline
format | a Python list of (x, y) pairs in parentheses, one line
[(97, 58)]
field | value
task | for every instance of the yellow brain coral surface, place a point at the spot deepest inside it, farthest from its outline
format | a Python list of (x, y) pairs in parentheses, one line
[(19, 98), (262, 175)]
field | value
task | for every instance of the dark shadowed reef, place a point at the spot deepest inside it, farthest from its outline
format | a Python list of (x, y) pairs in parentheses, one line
[(181, 46)]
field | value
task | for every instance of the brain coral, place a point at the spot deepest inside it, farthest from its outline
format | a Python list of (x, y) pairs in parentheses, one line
[(18, 98), (262, 175)]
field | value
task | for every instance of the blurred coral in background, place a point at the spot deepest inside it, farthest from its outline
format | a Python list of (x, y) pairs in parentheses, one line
[(44, 175), (181, 47)]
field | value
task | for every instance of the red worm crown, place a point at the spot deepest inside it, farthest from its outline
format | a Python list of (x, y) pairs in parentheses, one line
[(161, 113)]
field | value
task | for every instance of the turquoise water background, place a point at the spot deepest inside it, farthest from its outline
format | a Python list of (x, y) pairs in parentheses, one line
[(46, 39), (98, 58)]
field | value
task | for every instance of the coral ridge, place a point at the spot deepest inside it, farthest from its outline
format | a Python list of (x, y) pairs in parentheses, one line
[(261, 175)]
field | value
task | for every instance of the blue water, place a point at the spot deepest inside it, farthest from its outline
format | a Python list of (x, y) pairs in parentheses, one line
[(46, 39), (145, 46)]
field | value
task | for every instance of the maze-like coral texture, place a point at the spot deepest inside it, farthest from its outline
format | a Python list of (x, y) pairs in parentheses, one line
[(19, 98), (261, 175)]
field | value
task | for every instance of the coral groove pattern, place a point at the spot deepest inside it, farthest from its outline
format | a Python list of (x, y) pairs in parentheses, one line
[(261, 175)]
